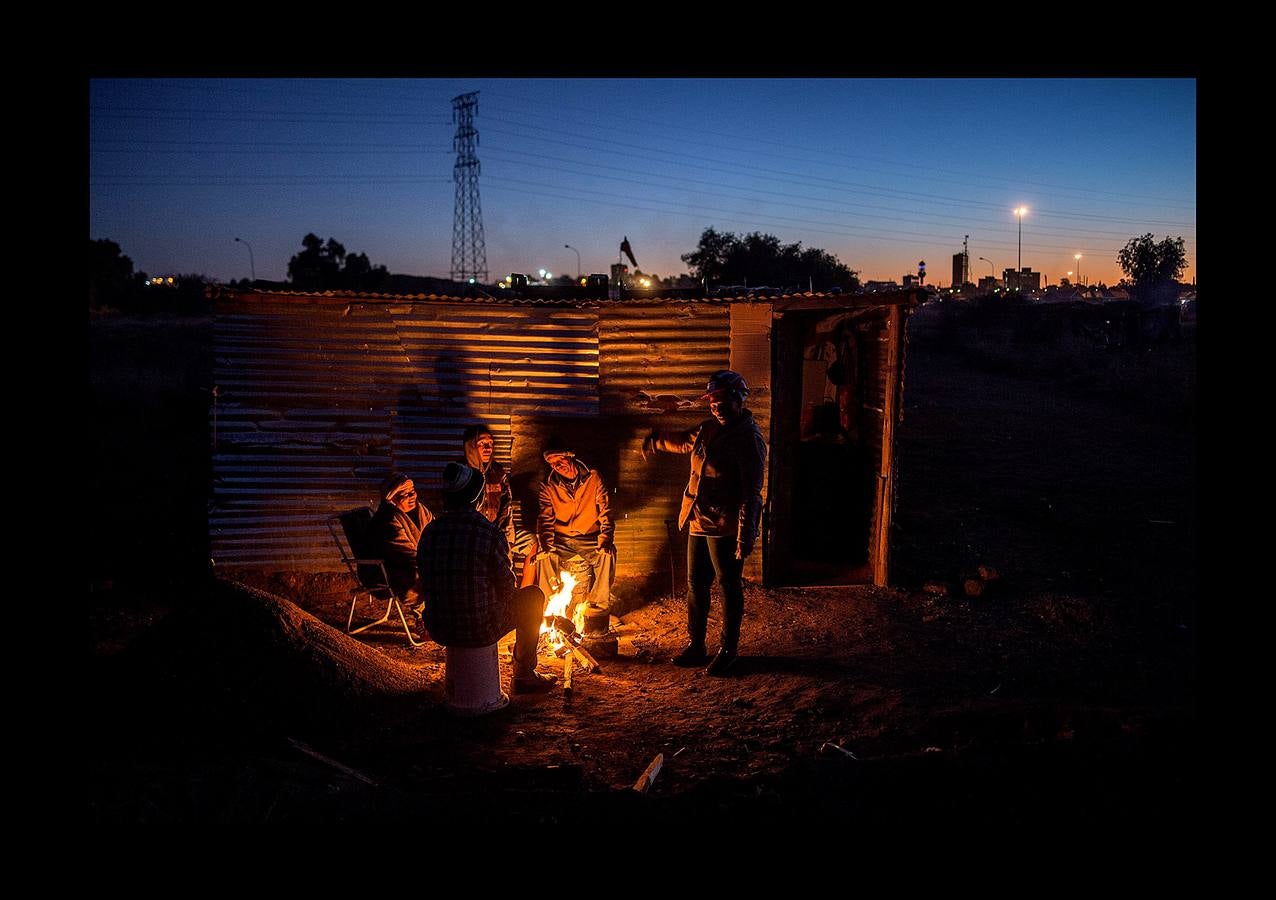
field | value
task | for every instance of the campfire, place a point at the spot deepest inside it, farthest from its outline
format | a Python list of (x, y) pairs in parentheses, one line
[(557, 606), (565, 627)]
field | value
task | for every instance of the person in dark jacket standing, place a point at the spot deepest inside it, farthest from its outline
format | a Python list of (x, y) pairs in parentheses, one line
[(395, 532), (722, 504), (467, 583)]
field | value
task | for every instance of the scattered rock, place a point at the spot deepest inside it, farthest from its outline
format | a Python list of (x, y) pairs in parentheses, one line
[(988, 573), (935, 587), (973, 587)]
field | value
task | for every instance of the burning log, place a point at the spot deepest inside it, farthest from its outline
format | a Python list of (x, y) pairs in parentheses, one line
[(567, 678), (590, 664), (560, 633), (649, 774), (562, 624)]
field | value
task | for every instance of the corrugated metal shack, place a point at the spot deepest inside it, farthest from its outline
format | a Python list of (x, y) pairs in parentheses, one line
[(319, 396)]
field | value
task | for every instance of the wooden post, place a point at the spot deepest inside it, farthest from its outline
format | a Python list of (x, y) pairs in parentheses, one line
[(886, 465)]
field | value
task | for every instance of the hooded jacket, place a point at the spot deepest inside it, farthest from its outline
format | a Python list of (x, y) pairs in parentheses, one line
[(497, 500), (578, 507), (396, 535)]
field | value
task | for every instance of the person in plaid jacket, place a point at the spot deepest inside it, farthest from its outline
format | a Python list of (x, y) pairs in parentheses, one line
[(468, 585)]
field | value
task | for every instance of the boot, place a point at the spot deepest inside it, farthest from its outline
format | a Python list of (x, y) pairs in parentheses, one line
[(728, 653), (697, 624), (526, 679), (692, 655), (722, 663), (535, 683)]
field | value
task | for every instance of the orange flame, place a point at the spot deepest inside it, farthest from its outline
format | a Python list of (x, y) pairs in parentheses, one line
[(557, 605)]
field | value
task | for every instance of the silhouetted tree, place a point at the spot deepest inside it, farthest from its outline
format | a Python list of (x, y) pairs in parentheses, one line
[(360, 275), (327, 267), (317, 266), (1153, 268), (112, 281), (760, 259)]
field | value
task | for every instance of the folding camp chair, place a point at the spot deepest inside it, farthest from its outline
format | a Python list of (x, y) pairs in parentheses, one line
[(367, 570)]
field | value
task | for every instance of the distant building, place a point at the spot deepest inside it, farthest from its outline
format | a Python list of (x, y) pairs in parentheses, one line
[(872, 287), (988, 284), (961, 269), (1067, 293), (911, 281), (1023, 280)]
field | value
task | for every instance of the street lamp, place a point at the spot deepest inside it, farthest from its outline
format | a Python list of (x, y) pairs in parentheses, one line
[(252, 267), (577, 252), (1077, 257), (991, 274), (1019, 211)]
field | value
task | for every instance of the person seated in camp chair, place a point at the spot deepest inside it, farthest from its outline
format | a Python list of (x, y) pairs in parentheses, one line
[(394, 535)]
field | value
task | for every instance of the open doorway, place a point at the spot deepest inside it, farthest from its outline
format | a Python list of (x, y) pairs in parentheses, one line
[(824, 431)]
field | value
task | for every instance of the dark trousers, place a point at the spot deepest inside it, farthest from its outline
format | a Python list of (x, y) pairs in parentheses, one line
[(602, 568), (708, 557)]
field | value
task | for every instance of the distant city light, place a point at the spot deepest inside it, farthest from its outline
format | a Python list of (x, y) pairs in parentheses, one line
[(471, 281)]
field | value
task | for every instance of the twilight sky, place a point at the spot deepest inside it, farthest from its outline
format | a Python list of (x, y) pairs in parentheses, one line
[(880, 172)]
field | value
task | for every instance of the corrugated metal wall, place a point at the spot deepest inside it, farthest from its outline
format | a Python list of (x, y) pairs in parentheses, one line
[(320, 397), (657, 357)]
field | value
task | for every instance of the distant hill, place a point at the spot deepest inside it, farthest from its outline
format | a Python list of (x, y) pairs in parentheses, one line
[(396, 283)]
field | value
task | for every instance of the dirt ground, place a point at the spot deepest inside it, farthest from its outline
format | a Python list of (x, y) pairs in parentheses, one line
[(1063, 695)]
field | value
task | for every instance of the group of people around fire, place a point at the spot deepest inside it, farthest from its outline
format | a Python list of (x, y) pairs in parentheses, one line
[(455, 570)]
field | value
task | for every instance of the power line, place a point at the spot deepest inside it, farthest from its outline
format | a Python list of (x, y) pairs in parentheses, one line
[(854, 187), (816, 226), (751, 193), (679, 129)]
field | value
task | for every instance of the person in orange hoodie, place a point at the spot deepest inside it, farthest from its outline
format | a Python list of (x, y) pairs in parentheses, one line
[(575, 521)]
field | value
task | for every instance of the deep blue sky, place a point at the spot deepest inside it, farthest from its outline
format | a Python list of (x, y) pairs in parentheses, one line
[(880, 172)]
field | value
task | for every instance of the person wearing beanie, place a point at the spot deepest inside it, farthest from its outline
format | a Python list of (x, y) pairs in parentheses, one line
[(575, 521), (468, 585), (395, 532), (722, 509)]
